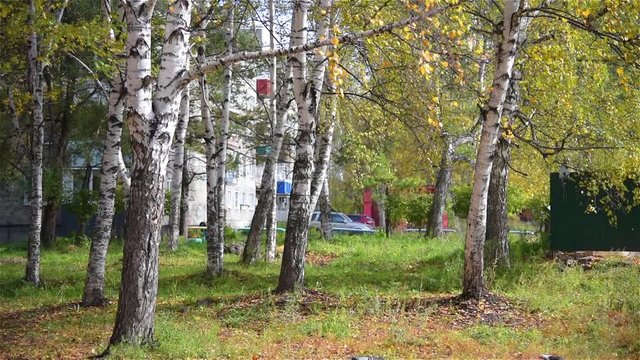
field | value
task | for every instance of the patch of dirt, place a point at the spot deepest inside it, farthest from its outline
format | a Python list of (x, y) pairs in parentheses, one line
[(590, 259), (462, 312), (12, 261), (458, 312), (28, 334), (320, 259), (306, 302)]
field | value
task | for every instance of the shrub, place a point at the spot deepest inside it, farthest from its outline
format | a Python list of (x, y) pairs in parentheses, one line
[(461, 200)]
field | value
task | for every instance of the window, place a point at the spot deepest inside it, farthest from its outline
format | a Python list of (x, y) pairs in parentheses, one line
[(244, 199), (237, 203), (337, 218), (283, 203)]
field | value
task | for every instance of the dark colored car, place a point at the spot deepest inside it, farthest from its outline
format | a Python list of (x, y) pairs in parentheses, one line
[(362, 219)]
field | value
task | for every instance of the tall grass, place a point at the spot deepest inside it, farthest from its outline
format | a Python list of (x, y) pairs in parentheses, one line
[(585, 314)]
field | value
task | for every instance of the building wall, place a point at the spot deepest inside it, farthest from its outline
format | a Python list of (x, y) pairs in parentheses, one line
[(14, 213), (240, 192)]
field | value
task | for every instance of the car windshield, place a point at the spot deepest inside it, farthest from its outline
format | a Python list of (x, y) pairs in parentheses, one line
[(335, 218)]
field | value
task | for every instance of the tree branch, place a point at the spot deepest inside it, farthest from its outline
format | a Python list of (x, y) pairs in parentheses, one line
[(351, 38)]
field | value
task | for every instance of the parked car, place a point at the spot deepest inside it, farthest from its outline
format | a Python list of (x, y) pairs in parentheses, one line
[(341, 223), (365, 219)]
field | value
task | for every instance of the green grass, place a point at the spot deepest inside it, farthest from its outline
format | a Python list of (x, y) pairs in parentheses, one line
[(361, 305)]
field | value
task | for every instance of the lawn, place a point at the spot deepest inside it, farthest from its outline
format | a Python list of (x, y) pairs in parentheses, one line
[(367, 296)]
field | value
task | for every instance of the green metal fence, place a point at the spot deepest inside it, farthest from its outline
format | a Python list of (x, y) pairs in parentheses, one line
[(574, 229)]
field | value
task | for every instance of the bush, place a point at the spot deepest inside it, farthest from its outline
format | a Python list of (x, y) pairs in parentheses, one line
[(230, 234), (84, 205), (418, 206), (461, 200)]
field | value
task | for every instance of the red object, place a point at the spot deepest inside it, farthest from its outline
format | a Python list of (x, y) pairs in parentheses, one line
[(431, 189), (364, 219), (367, 202), (263, 87), (445, 221)]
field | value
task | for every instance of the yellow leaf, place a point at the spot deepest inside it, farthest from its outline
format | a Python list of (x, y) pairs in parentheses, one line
[(335, 41), (620, 71)]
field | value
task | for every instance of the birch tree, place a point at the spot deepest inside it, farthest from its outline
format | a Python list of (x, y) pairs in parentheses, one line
[(443, 182), (496, 239), (473, 279), (152, 119), (178, 168), (210, 150), (267, 190), (215, 244), (272, 221), (37, 143), (307, 95), (93, 294)]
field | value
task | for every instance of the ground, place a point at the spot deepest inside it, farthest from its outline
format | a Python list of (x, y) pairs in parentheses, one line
[(395, 298)]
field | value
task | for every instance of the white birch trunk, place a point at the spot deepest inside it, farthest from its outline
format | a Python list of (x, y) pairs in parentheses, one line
[(37, 144), (307, 95), (212, 173), (178, 167), (473, 277), (210, 148), (94, 284), (93, 294), (152, 127), (497, 236), (215, 264), (267, 188), (272, 221), (325, 212), (324, 146)]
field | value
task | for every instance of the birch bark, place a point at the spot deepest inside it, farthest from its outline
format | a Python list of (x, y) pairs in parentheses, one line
[(272, 221), (325, 212), (307, 95), (328, 125), (497, 236), (37, 144), (94, 283), (267, 190), (473, 277), (178, 167), (210, 150), (215, 247), (152, 125), (93, 294)]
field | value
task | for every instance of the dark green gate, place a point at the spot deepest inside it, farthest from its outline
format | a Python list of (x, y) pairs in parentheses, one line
[(573, 229)]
